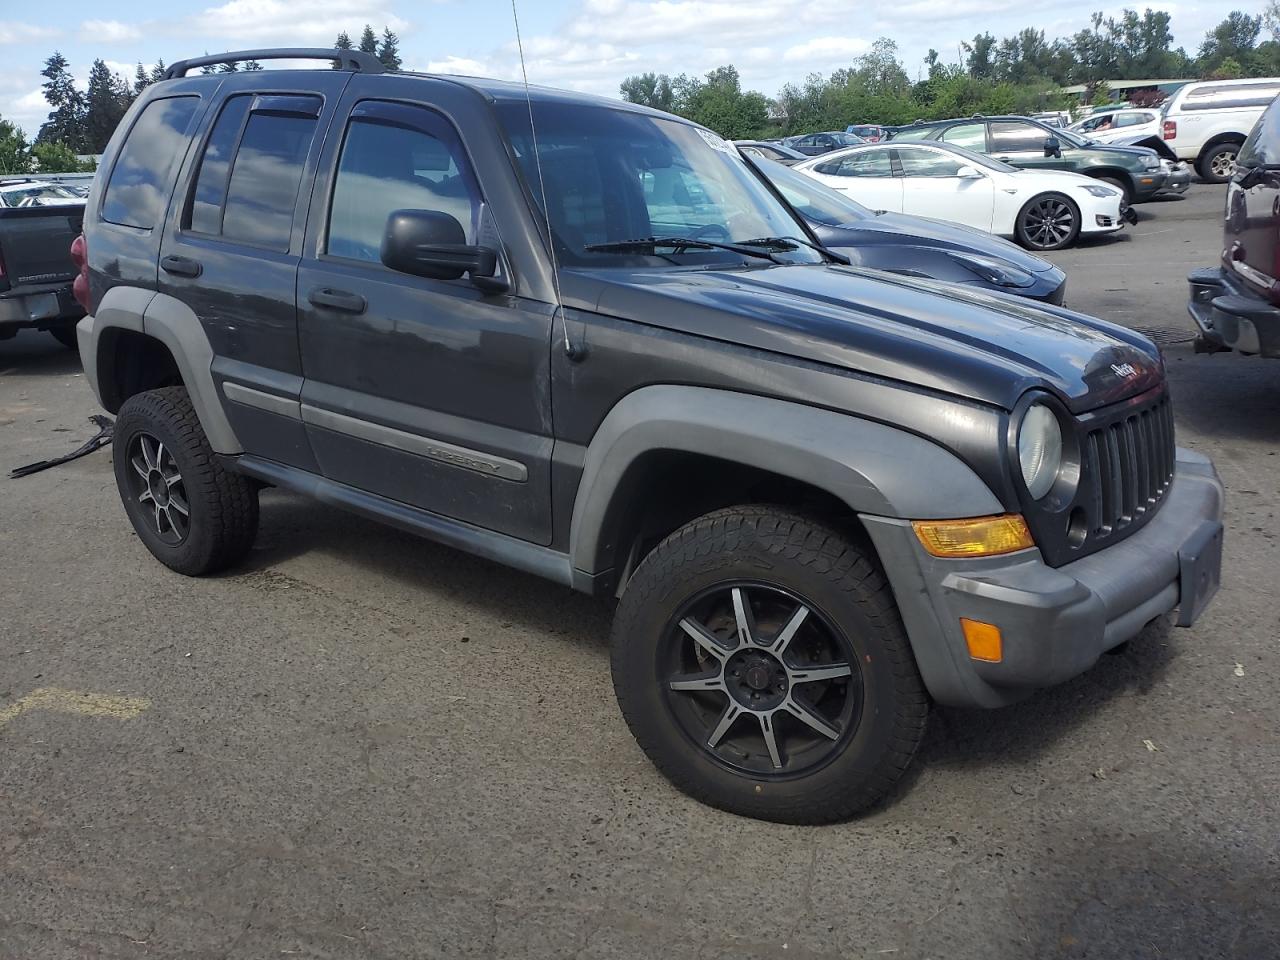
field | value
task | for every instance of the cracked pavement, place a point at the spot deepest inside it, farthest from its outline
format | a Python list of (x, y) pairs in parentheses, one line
[(364, 745)]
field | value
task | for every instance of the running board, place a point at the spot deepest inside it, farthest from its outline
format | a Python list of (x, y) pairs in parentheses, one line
[(500, 548)]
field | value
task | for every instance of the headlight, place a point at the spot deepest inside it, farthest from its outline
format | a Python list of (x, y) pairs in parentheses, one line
[(1151, 162), (1039, 449), (999, 272), (1102, 192)]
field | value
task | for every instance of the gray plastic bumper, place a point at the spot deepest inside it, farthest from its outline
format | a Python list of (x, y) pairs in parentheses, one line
[(1055, 622), (1229, 314)]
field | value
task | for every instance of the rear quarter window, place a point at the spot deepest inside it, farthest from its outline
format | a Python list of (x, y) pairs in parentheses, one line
[(142, 177), (1262, 148)]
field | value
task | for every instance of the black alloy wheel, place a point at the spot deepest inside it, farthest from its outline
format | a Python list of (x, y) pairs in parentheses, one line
[(1048, 222)]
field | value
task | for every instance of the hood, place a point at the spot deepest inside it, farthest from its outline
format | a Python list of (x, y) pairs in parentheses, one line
[(1117, 149), (1148, 140), (905, 229), (986, 347)]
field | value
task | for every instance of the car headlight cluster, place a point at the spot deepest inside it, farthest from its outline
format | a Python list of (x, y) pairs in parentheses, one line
[(1039, 449), (999, 272), (1151, 162), (1102, 192)]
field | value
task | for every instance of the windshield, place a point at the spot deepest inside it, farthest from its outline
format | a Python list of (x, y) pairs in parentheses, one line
[(47, 191), (1073, 138), (812, 199), (847, 139), (616, 175)]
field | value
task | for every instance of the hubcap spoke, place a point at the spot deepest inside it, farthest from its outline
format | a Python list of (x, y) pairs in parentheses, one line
[(788, 631), (742, 616), (807, 716), (830, 671), (139, 467), (770, 739), (145, 496), (731, 713), (179, 504), (705, 639), (159, 512), (148, 453), (703, 682)]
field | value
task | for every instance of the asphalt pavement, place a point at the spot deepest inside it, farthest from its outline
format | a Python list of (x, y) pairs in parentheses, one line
[(361, 744)]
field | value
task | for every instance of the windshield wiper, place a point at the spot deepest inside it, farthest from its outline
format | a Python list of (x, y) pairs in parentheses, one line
[(678, 244), (791, 243)]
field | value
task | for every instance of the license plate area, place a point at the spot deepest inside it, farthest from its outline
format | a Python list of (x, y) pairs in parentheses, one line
[(1200, 571)]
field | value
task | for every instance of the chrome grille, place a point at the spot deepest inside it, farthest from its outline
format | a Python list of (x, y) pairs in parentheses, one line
[(1128, 467)]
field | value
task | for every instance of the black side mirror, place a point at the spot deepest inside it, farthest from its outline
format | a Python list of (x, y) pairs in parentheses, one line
[(1052, 147), (430, 243)]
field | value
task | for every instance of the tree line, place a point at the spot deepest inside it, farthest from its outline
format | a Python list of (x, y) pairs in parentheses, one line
[(81, 122), (1020, 73)]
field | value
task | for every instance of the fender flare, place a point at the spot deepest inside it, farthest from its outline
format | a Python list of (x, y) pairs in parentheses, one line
[(873, 468), (174, 324)]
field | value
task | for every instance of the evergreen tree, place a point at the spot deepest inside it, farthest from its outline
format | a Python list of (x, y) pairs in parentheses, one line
[(157, 72), (344, 43), (141, 80), (389, 51), (66, 118), (368, 41), (231, 67), (105, 105), (252, 66)]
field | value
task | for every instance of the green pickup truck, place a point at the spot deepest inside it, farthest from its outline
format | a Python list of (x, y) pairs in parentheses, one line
[(1022, 142)]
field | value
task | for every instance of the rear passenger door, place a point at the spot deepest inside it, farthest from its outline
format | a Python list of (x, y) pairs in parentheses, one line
[(1022, 144), (433, 393), (232, 249)]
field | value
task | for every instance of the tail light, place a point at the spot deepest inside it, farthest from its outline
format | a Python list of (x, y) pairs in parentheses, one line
[(80, 257), (1170, 130)]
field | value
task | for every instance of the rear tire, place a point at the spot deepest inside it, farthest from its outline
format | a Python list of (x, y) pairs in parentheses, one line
[(1218, 163), (65, 335), (1050, 221), (808, 727), (194, 516)]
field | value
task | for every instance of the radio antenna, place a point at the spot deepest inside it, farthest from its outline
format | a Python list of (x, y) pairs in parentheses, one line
[(569, 349)]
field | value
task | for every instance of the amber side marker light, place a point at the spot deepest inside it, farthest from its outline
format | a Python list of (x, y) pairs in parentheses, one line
[(982, 639), (976, 537)]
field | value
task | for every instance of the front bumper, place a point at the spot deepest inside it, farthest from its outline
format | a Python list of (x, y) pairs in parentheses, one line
[(1178, 180), (1148, 183), (1232, 316), (1055, 622)]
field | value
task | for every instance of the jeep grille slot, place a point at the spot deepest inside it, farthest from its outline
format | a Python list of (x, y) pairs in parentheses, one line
[(1128, 467)]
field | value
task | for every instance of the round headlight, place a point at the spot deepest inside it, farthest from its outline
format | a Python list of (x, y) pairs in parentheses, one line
[(1039, 449)]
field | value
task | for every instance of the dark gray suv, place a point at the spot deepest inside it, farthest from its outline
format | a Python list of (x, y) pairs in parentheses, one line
[(581, 338)]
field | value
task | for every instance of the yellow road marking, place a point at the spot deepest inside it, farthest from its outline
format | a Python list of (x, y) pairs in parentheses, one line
[(75, 701)]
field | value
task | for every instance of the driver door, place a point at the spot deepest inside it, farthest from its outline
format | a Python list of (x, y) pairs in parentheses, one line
[(932, 187)]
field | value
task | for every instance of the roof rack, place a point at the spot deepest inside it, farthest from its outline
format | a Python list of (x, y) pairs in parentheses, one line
[(355, 60)]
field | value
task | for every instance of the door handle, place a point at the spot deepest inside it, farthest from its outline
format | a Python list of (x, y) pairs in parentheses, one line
[(337, 300), (181, 266)]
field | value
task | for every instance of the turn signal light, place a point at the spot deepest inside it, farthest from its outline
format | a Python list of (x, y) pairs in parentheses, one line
[(977, 537), (983, 640)]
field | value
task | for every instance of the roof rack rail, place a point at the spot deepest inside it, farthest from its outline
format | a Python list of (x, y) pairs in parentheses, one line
[(355, 60)]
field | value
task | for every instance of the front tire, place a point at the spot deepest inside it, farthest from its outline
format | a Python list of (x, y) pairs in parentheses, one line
[(759, 659), (194, 516), (1050, 221), (1218, 163)]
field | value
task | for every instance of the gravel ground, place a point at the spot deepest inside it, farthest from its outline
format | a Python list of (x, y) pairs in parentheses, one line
[(364, 745)]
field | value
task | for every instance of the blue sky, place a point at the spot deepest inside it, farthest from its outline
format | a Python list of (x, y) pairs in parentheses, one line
[(583, 44)]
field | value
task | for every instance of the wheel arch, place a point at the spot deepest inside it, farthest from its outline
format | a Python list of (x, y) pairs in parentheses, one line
[(684, 441), (1217, 140), (141, 340)]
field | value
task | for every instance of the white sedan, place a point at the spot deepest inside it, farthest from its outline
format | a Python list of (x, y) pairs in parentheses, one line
[(1108, 126), (1041, 209)]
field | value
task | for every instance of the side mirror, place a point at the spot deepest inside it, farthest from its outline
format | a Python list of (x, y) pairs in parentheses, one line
[(968, 173), (1052, 147), (430, 243)]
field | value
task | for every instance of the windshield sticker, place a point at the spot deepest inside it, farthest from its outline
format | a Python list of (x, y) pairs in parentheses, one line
[(714, 142)]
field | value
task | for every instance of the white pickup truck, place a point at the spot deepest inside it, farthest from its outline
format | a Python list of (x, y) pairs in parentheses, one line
[(1207, 122)]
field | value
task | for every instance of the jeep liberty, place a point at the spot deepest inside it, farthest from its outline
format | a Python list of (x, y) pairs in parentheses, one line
[(586, 340)]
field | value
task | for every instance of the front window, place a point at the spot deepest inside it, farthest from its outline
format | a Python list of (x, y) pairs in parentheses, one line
[(613, 175), (813, 200)]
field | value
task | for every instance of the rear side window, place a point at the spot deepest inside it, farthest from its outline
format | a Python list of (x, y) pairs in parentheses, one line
[(865, 163), (971, 136), (251, 170), (1013, 137), (140, 182), (928, 163), (1227, 96)]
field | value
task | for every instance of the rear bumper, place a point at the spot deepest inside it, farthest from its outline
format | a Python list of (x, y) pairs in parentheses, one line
[(38, 307), (1229, 315), (1055, 622)]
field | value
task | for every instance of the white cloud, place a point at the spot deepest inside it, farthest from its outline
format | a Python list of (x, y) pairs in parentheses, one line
[(14, 32), (109, 31), (827, 49), (460, 66), (283, 23)]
